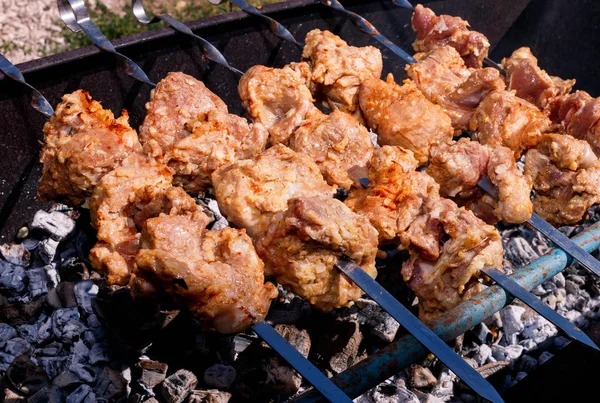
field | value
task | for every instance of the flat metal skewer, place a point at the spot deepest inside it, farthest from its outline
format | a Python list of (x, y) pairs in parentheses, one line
[(534, 303), (209, 51), (311, 373), (560, 239), (75, 16), (419, 330), (38, 101)]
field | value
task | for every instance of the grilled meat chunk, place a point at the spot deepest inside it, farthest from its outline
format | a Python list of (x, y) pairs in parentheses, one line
[(251, 192), (447, 273), (82, 143), (176, 100), (217, 275), (402, 116), (503, 119), (578, 114), (279, 99), (338, 144), (303, 243), (435, 31), (339, 69), (445, 80), (566, 177)]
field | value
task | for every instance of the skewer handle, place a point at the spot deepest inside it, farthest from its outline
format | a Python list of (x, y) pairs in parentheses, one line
[(75, 16), (38, 101)]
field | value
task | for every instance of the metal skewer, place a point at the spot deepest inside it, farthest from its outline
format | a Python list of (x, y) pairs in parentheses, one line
[(209, 51), (75, 16), (38, 101), (534, 303)]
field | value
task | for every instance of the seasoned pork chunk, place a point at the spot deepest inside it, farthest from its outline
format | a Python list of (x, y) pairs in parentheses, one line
[(445, 30), (578, 114), (82, 143), (176, 100), (566, 177), (503, 119), (402, 116), (447, 273), (396, 194), (217, 139), (217, 275), (338, 144), (279, 99), (445, 80), (338, 69), (303, 243), (530, 82), (251, 192)]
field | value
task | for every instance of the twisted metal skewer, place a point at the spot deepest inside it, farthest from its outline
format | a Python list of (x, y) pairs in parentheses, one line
[(75, 16), (209, 51), (38, 101)]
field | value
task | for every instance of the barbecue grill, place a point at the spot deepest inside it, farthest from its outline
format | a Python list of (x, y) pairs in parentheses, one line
[(244, 43)]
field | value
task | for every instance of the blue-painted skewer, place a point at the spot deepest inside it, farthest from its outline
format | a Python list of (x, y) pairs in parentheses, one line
[(38, 101), (301, 364), (75, 16), (419, 330), (209, 51), (534, 303), (560, 239), (403, 4)]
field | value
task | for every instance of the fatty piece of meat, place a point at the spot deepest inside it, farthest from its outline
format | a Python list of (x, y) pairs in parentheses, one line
[(457, 167), (337, 69), (338, 144), (176, 100), (530, 82), (446, 81), (251, 192), (396, 194), (82, 143), (303, 243), (445, 30), (578, 114), (279, 99), (503, 119), (465, 245), (217, 139), (402, 116), (566, 178), (216, 275)]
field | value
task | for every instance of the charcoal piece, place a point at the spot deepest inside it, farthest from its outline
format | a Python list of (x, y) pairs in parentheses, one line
[(209, 396), (290, 311), (17, 346), (13, 278), (52, 274), (84, 372), (388, 393), (25, 376), (71, 331), (376, 320), (30, 243), (18, 313), (177, 387), (66, 294), (5, 361), (83, 394), (38, 282), (420, 377), (15, 254), (73, 268), (54, 365), (7, 332), (47, 250), (61, 318), (339, 345), (67, 380), (51, 350), (93, 321), (85, 291), (99, 353), (44, 331), (56, 224), (80, 353), (220, 376), (48, 395), (111, 385), (153, 372)]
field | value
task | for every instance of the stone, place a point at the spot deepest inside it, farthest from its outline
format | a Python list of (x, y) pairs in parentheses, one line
[(13, 278), (153, 372), (47, 250), (545, 356), (420, 377), (7, 332), (15, 254), (527, 364), (376, 320), (38, 282), (511, 319), (219, 376), (209, 396), (56, 224), (111, 385), (83, 394), (177, 387), (17, 346), (509, 353), (84, 292), (483, 354)]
